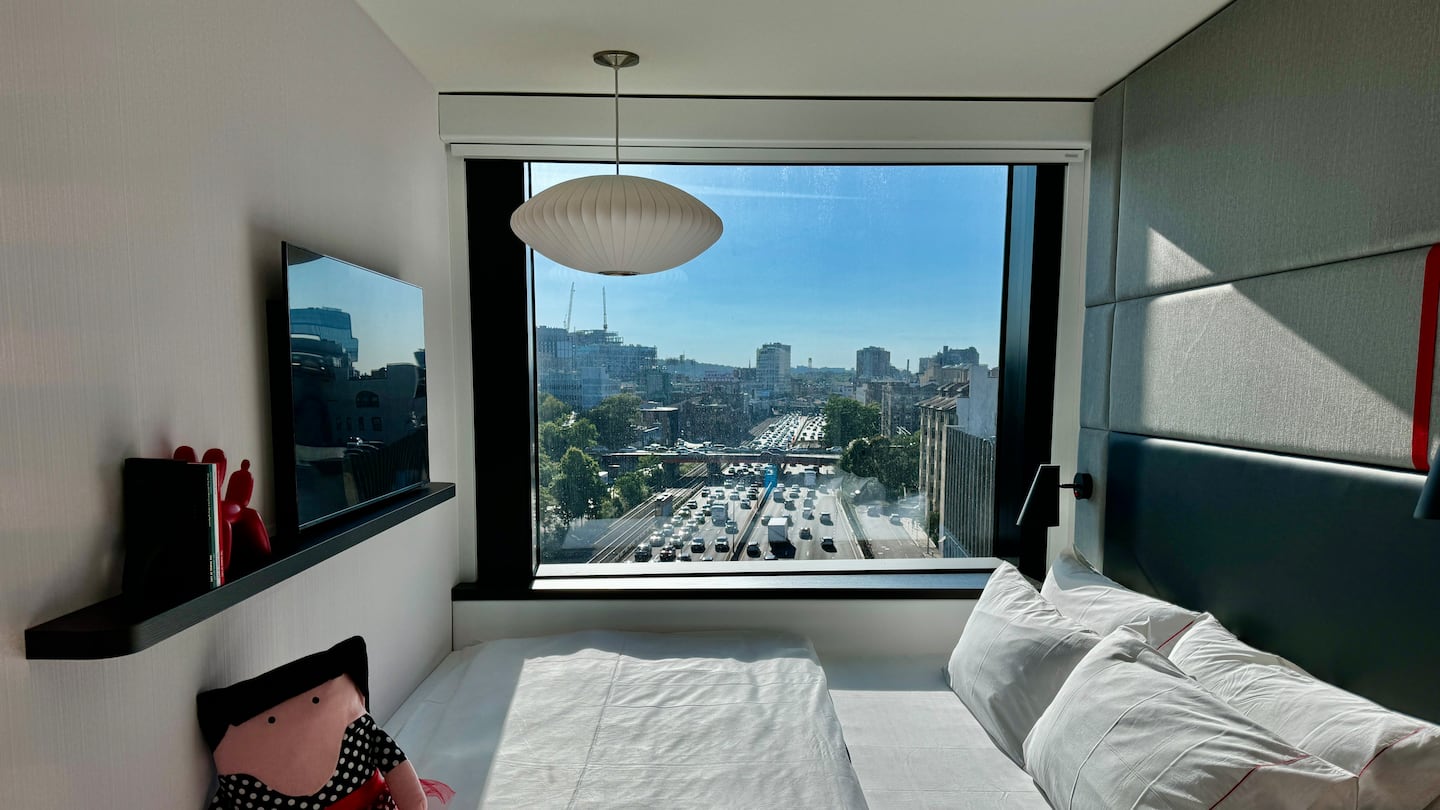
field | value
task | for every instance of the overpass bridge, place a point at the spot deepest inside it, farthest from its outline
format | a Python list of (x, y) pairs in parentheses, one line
[(672, 458)]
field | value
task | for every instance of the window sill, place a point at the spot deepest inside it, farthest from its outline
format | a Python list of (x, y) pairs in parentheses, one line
[(959, 579)]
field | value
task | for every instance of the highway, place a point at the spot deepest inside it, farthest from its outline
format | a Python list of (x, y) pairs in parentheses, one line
[(802, 504)]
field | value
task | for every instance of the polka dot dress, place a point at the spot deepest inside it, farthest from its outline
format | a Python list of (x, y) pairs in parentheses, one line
[(366, 748)]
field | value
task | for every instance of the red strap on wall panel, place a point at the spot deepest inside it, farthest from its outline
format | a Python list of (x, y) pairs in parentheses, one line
[(1425, 362)]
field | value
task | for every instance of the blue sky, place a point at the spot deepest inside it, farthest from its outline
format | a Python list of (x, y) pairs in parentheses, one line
[(386, 314), (829, 259)]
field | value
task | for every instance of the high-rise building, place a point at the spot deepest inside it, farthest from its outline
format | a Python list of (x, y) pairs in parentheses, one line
[(583, 367), (872, 363), (327, 323), (941, 367), (772, 368)]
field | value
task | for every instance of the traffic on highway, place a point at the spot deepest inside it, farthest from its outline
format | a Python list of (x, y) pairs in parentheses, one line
[(761, 513)]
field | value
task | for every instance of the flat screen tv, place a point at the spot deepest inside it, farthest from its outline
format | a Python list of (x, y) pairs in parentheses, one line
[(348, 387)]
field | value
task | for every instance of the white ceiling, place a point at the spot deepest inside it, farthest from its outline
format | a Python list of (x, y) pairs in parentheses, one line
[(886, 48)]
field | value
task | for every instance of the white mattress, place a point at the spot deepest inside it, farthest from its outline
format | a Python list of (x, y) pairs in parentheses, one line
[(915, 745), (608, 719)]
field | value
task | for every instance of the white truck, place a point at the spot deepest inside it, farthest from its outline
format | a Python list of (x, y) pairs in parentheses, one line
[(777, 531), (717, 512)]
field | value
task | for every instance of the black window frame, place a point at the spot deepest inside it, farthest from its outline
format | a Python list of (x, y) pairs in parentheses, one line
[(500, 272)]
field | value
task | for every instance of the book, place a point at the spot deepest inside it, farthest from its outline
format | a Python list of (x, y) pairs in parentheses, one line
[(171, 531)]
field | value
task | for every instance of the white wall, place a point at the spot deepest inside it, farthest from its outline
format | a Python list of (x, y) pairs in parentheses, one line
[(152, 156), (1069, 337)]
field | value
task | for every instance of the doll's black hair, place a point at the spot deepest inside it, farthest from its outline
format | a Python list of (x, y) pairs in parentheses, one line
[(219, 709)]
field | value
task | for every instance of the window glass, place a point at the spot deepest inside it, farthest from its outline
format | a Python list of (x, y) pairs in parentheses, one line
[(821, 384)]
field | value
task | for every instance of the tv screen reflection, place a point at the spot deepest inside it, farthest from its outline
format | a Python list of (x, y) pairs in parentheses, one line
[(357, 367)]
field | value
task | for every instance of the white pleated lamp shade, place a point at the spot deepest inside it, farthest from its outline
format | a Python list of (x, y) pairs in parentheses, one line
[(616, 225)]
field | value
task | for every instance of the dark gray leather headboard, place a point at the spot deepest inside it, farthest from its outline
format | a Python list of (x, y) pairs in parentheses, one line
[(1317, 561)]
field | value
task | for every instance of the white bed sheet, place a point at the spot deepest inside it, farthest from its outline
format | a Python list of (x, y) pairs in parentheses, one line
[(915, 746), (607, 719)]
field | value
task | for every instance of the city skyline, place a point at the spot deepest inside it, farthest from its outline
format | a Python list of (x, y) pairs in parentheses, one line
[(663, 358), (908, 258)]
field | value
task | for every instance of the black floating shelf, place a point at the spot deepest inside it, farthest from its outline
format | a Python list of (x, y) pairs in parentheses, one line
[(112, 628)]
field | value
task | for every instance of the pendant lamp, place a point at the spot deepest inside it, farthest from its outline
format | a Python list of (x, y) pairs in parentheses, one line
[(616, 225)]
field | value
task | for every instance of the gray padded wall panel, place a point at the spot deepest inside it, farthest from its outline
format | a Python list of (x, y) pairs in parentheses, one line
[(1318, 362), (1104, 196), (1281, 134), (1095, 367), (1090, 512)]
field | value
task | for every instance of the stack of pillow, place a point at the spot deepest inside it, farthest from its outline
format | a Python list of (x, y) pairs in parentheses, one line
[(1110, 698)]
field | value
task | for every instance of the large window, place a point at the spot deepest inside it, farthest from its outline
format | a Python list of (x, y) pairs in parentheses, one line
[(844, 376)]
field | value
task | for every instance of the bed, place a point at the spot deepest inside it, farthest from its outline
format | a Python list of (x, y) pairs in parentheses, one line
[(719, 720), (609, 719)]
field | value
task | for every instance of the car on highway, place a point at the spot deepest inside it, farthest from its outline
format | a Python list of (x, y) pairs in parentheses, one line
[(683, 556), (697, 544), (753, 548), (677, 543), (642, 553), (770, 556), (824, 517), (805, 533), (827, 542), (721, 544), (895, 519), (708, 558), (667, 554)]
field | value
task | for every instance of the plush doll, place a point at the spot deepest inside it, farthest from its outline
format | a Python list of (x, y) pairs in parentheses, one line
[(301, 736)]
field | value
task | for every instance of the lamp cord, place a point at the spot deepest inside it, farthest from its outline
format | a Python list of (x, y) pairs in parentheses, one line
[(616, 69)]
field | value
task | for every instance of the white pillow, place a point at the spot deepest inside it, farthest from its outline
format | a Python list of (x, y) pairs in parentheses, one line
[(1013, 655), (1129, 729), (1102, 604), (1397, 757)]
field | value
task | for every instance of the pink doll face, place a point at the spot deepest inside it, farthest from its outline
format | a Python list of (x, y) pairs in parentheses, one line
[(293, 747)]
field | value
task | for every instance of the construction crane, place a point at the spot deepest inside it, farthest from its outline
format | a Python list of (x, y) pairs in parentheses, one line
[(570, 308)]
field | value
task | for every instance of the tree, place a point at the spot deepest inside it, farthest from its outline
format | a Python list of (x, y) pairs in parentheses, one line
[(552, 409), (615, 420), (572, 431), (900, 465), (859, 459), (632, 489), (893, 463), (847, 420), (577, 485)]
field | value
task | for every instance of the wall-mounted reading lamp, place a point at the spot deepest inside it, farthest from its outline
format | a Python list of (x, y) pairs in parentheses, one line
[(1041, 508), (1428, 507)]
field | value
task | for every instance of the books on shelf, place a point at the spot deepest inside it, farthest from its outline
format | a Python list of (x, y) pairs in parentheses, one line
[(171, 526)]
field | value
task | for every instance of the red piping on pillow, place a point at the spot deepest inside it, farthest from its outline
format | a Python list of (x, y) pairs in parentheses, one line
[(1425, 362), (1253, 770), (1177, 634), (1387, 747)]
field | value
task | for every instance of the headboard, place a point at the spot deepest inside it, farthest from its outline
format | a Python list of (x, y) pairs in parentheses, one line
[(1261, 296), (1320, 562)]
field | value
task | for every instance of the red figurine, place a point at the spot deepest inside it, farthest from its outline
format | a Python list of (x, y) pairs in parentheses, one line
[(244, 541)]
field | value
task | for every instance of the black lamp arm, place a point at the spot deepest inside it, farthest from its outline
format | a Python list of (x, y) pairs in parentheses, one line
[(1083, 485)]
